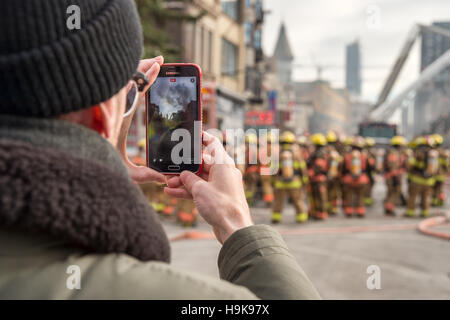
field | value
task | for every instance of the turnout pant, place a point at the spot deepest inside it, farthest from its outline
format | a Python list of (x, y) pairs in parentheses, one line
[(267, 189), (296, 196), (320, 199), (333, 195), (422, 191), (251, 185), (394, 189), (368, 191), (438, 192), (354, 199)]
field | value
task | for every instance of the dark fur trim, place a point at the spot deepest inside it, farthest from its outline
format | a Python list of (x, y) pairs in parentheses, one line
[(77, 200)]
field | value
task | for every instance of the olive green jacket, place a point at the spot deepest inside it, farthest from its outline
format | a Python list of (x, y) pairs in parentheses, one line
[(253, 263), (52, 250)]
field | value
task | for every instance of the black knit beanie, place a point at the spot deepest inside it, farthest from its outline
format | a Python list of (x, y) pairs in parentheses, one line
[(47, 69)]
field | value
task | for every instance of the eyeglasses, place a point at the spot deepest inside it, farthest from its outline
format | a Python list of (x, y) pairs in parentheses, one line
[(136, 85)]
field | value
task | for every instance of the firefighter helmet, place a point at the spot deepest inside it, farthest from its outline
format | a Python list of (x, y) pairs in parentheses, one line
[(302, 141), (420, 141), (438, 139), (318, 139), (370, 142), (412, 144), (358, 142), (398, 141), (141, 143), (425, 141), (287, 137), (348, 141), (331, 137)]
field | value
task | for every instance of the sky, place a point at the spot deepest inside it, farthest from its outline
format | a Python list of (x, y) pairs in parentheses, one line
[(172, 97), (319, 30)]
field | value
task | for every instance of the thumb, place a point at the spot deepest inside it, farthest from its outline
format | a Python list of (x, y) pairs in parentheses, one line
[(189, 180)]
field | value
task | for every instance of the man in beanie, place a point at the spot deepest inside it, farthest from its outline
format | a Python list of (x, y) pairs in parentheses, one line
[(68, 202)]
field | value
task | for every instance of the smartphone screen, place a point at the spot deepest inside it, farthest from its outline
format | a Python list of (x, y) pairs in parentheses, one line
[(174, 120)]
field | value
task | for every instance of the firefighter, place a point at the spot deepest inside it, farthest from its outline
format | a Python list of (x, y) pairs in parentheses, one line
[(423, 167), (355, 178), (264, 155), (347, 142), (288, 181), (438, 191), (251, 172), (333, 178), (371, 170), (393, 172), (317, 172), (340, 145)]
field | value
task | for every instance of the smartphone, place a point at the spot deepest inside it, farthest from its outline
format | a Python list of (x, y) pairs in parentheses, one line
[(174, 120)]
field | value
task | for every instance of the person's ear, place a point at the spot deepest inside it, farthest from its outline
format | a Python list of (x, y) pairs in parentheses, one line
[(107, 118)]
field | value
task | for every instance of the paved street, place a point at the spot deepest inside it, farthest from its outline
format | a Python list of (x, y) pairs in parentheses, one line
[(336, 253)]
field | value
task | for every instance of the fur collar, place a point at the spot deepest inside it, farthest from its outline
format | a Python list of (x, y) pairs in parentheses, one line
[(78, 200)]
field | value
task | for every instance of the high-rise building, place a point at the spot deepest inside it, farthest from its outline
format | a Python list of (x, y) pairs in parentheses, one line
[(353, 68), (431, 99), (434, 45)]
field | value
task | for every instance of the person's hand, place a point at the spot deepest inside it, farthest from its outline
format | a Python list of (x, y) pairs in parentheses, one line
[(218, 191), (140, 174)]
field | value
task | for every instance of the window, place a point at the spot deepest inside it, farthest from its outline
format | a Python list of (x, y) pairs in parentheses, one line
[(257, 39), (206, 49), (210, 51), (248, 33), (229, 58), (258, 10), (231, 8)]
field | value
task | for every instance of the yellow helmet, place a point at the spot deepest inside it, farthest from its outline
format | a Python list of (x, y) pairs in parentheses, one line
[(318, 139), (302, 140), (412, 144), (438, 139), (287, 137), (348, 141), (358, 142), (419, 141), (370, 142), (141, 143), (425, 141), (398, 141), (331, 136), (251, 138)]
